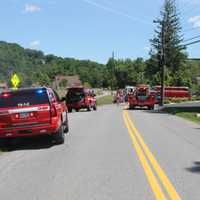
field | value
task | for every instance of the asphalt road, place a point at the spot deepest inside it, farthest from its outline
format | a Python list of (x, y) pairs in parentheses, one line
[(111, 154)]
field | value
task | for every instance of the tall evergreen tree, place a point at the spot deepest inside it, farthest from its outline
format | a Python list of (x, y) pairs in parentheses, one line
[(168, 43)]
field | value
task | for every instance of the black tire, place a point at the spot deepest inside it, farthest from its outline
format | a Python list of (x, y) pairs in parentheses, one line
[(88, 108), (69, 110), (66, 127), (77, 110), (131, 107), (59, 136), (4, 143), (151, 107), (95, 107), (66, 130)]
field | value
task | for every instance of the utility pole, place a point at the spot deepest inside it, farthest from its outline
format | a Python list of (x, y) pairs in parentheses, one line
[(162, 66), (112, 72), (161, 58)]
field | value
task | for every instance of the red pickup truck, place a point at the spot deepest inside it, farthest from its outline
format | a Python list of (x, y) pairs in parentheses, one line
[(32, 112), (79, 97)]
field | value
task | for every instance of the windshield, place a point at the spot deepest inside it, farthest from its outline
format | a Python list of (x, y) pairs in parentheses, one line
[(23, 98), (75, 95)]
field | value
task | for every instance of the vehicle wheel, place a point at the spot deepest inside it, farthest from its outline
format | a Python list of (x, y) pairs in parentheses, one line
[(88, 108), (66, 130), (4, 143), (131, 107), (151, 107), (77, 110), (69, 110), (95, 107), (66, 127), (59, 136)]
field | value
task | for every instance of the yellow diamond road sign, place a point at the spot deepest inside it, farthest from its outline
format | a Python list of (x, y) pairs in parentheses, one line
[(15, 81)]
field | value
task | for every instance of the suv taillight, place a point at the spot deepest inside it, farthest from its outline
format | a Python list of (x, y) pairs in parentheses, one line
[(53, 111)]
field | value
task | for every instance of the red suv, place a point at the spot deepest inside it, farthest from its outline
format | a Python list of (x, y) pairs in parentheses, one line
[(32, 112), (80, 97)]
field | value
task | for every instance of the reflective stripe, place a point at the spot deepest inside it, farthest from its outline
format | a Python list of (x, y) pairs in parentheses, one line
[(22, 110)]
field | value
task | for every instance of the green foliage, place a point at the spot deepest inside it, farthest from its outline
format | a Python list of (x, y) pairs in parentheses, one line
[(87, 85), (126, 72), (168, 34), (63, 84), (106, 100), (34, 69), (190, 116)]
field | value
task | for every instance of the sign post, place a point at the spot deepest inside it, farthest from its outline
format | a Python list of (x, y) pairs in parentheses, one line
[(15, 81)]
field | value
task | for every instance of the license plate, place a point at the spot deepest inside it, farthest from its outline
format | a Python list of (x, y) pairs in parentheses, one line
[(25, 132), (24, 115)]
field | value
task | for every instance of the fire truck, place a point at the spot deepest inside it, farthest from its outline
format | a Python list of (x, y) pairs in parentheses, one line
[(174, 92), (142, 96)]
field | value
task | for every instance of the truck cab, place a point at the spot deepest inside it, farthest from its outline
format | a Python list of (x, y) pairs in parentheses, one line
[(142, 97)]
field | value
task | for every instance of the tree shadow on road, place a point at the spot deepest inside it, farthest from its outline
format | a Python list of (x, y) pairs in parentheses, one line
[(195, 168), (36, 143)]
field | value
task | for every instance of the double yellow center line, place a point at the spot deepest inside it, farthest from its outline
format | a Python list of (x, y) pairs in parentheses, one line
[(150, 165)]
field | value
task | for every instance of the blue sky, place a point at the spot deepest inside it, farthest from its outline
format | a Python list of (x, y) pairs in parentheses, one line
[(91, 29)]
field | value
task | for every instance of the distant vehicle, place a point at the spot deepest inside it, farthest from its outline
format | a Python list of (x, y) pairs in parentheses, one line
[(174, 92), (128, 89), (119, 96), (142, 97), (3, 87), (79, 97), (33, 112)]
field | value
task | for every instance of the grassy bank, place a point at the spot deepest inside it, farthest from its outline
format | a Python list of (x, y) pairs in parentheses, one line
[(189, 116), (181, 100), (106, 100), (189, 113)]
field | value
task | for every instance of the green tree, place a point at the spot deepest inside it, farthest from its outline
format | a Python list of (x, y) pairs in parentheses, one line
[(168, 42), (111, 73)]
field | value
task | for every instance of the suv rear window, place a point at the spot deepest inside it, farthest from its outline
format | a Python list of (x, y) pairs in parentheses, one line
[(23, 98), (75, 95)]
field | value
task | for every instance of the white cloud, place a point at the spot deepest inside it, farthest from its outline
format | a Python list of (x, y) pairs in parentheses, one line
[(35, 44), (32, 8), (195, 21)]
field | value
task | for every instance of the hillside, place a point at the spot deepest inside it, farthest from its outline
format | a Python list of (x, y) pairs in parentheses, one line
[(35, 67)]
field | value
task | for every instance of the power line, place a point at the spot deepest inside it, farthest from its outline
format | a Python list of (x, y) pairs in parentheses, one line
[(198, 36), (193, 59), (117, 12), (190, 29), (191, 43), (189, 11)]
